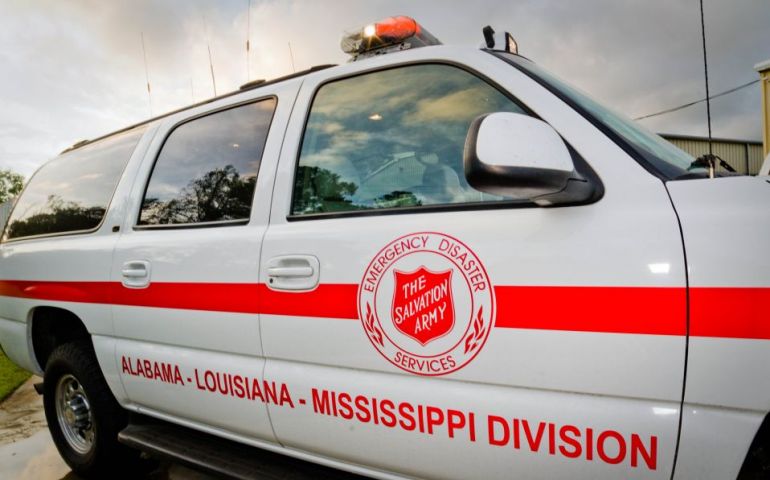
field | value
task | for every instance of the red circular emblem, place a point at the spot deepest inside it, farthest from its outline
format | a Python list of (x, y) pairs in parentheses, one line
[(426, 303)]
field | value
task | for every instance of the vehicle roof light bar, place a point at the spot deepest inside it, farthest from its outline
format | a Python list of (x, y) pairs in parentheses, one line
[(388, 35)]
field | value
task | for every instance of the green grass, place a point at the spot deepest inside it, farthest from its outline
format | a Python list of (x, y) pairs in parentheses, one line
[(11, 376)]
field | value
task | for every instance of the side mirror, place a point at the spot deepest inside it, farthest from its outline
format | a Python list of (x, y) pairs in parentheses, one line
[(515, 155)]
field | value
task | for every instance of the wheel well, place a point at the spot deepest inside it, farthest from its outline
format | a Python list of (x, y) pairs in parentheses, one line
[(756, 465), (52, 327)]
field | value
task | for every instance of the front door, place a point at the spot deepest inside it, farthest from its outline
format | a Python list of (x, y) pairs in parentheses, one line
[(452, 333)]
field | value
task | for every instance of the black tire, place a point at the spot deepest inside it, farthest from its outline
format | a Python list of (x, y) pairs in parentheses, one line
[(101, 456)]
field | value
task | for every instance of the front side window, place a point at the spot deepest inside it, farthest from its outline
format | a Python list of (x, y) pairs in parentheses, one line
[(392, 139), (71, 193), (207, 168)]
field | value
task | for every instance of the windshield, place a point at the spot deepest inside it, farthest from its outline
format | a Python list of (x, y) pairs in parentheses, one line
[(667, 161)]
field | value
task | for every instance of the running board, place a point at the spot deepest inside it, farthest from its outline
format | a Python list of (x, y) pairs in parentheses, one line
[(212, 454)]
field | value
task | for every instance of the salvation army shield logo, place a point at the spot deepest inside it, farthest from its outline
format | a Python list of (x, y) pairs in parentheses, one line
[(422, 304), (426, 303)]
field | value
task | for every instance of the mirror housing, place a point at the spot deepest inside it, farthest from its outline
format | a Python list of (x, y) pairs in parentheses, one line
[(522, 157)]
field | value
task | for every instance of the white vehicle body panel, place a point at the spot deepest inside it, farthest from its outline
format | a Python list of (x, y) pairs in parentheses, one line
[(591, 332), (524, 365), (194, 339), (727, 387)]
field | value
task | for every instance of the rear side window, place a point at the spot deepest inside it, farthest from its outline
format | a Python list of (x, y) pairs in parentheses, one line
[(207, 168), (392, 139), (71, 193)]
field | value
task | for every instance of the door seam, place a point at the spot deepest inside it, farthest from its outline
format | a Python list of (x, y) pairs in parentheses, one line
[(261, 248), (687, 331)]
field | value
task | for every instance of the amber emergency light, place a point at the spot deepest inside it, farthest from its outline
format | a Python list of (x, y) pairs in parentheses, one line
[(388, 35)]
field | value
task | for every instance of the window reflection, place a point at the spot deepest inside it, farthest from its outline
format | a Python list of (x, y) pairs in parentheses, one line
[(71, 192), (207, 169), (392, 139), (219, 194)]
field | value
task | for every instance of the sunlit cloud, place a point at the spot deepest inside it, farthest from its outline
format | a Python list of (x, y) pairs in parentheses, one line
[(74, 70)]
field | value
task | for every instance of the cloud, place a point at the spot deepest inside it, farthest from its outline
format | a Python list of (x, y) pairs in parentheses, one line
[(74, 70), (470, 102)]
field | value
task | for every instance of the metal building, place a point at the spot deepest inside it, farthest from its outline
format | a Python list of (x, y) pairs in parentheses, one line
[(743, 155)]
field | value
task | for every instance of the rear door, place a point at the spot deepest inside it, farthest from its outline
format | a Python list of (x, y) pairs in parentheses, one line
[(187, 266), (450, 333)]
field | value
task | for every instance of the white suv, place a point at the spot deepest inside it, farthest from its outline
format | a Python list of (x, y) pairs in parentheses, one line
[(440, 263)]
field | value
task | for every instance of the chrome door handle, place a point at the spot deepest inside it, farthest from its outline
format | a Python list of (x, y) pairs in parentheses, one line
[(136, 273), (292, 272), (295, 272)]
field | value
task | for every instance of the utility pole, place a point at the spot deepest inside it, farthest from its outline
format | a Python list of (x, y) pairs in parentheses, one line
[(764, 84)]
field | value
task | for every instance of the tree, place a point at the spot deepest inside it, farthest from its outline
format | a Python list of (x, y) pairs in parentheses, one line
[(320, 190), (11, 184), (56, 216), (219, 194)]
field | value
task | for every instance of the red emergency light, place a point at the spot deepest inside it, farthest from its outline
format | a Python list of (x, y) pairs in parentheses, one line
[(392, 33)]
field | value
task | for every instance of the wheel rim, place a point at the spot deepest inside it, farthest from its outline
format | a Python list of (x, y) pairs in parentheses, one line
[(73, 411)]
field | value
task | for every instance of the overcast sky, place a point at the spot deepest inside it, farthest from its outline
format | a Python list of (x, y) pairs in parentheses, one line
[(71, 70)]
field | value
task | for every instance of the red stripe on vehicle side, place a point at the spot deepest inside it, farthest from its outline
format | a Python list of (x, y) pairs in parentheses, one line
[(730, 312), (715, 312), (214, 297), (645, 310), (85, 292), (327, 301)]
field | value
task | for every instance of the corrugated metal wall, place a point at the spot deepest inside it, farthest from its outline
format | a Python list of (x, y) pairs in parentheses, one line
[(742, 156), (755, 158)]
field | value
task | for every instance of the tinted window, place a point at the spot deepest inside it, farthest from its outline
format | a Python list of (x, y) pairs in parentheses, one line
[(392, 139), (207, 169), (71, 192)]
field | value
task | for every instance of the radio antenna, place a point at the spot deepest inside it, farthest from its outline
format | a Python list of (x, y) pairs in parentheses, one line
[(248, 42), (291, 55), (211, 67), (208, 47), (147, 75), (712, 162)]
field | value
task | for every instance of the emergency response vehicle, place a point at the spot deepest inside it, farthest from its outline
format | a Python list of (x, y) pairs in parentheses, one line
[(434, 262)]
